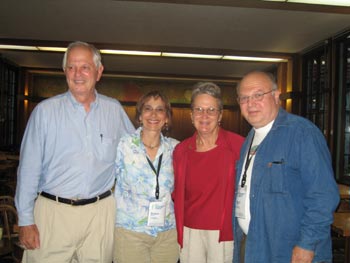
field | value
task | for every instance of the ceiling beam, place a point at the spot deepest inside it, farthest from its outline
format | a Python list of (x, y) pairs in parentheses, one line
[(255, 4), (116, 46)]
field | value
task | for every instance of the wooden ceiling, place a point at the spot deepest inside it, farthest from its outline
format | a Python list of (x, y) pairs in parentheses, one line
[(231, 27)]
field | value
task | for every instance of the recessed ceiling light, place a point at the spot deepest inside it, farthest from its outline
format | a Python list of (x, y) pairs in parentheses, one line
[(18, 47), (188, 55), (129, 52), (262, 59), (54, 49), (151, 53)]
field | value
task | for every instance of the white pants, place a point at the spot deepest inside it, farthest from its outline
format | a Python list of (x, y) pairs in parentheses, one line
[(73, 233), (202, 246)]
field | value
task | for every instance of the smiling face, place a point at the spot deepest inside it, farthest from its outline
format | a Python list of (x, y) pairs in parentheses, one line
[(259, 112), (205, 123), (81, 72), (153, 115)]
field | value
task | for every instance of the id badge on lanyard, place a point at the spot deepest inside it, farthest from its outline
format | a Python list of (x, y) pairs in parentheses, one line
[(242, 188), (240, 202), (156, 214), (156, 209)]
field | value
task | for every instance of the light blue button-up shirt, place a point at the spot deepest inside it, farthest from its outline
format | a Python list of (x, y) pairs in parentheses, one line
[(69, 152)]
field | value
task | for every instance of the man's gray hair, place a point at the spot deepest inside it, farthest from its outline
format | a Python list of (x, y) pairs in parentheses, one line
[(96, 53)]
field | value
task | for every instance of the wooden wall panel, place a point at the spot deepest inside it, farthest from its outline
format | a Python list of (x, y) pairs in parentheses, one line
[(182, 126), (42, 85)]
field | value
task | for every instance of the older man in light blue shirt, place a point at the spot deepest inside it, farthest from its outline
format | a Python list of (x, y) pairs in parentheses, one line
[(67, 156)]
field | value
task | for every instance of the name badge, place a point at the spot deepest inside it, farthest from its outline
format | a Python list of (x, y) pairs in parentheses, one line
[(240, 202), (156, 214)]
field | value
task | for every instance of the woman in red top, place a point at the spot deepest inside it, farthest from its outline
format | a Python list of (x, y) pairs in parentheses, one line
[(204, 170)]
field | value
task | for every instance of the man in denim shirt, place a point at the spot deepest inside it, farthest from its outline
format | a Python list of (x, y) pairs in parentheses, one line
[(285, 192)]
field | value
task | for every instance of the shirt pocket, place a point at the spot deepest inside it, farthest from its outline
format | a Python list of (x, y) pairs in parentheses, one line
[(276, 176), (108, 148)]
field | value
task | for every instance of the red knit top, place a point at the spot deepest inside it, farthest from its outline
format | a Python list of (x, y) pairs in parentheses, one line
[(228, 146), (205, 189)]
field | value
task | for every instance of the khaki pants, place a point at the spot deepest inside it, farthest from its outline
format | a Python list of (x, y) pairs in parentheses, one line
[(202, 246), (134, 247), (73, 233)]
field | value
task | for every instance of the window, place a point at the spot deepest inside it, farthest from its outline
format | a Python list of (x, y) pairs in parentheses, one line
[(316, 88), (342, 82), (8, 99)]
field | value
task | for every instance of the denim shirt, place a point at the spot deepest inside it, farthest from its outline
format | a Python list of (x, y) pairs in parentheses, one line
[(293, 194)]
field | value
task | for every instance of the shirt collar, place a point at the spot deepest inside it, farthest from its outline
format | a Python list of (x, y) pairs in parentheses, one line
[(77, 104), (265, 129)]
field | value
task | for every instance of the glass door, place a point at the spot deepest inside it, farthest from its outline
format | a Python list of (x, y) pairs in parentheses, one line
[(343, 110), (316, 88), (8, 99), (346, 127)]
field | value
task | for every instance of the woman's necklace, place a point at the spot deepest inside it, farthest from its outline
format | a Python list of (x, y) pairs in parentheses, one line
[(150, 146)]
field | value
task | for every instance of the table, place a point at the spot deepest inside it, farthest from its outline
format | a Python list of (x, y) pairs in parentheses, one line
[(344, 191), (341, 225)]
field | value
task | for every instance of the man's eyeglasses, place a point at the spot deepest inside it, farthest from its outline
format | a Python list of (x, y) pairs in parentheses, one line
[(255, 97), (198, 111), (149, 110)]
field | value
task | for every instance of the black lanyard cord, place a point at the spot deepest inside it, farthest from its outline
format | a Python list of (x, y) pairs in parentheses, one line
[(247, 162), (156, 172)]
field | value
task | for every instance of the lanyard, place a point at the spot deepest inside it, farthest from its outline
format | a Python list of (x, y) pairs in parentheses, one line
[(156, 172), (247, 162)]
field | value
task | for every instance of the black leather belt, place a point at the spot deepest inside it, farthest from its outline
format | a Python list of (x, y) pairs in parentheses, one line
[(77, 201)]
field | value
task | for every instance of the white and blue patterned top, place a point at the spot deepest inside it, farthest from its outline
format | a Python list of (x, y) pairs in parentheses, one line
[(136, 184)]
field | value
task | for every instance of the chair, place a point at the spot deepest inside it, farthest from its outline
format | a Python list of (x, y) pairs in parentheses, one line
[(9, 220), (8, 217)]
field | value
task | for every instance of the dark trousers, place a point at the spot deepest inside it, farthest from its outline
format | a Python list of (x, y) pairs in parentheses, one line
[(242, 250)]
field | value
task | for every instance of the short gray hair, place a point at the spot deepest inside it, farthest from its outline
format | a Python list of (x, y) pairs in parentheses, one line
[(208, 88), (95, 52)]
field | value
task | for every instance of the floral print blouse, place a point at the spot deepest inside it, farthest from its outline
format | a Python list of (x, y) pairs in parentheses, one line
[(136, 184)]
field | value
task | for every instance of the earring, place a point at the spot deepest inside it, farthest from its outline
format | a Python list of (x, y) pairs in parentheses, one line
[(166, 127), (141, 124)]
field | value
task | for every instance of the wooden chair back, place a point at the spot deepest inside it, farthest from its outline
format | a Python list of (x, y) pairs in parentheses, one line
[(9, 221)]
